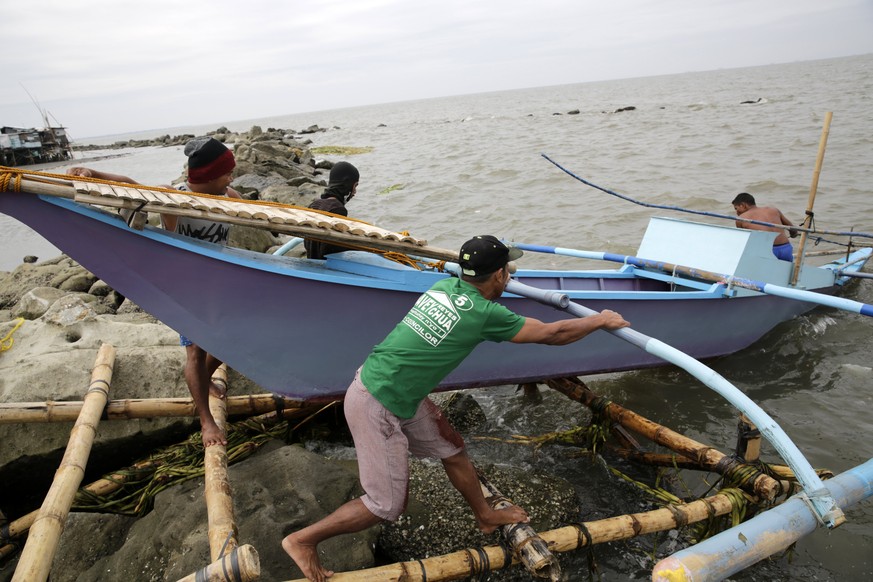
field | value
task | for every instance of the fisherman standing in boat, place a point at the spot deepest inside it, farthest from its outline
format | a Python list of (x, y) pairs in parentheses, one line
[(390, 414), (210, 171), (744, 204), (341, 187)]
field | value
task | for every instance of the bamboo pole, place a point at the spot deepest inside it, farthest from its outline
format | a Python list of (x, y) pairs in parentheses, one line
[(526, 543), (36, 558), (242, 564), (473, 562), (67, 411), (219, 504), (798, 262), (763, 486)]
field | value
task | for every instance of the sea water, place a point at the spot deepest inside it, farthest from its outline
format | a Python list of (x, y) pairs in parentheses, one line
[(449, 168)]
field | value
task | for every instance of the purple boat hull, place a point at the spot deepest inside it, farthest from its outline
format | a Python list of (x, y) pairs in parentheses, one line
[(301, 328)]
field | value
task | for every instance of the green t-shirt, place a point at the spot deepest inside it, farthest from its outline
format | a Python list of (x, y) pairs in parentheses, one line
[(441, 329)]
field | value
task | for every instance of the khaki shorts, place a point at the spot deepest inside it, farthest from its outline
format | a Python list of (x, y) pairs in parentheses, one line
[(383, 442)]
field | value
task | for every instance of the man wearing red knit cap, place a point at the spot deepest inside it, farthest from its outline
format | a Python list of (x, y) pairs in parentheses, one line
[(210, 171)]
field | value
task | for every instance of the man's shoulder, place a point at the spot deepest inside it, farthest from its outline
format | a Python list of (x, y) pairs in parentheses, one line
[(328, 205)]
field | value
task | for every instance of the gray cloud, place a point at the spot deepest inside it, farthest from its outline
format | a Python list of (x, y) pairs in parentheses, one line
[(105, 67)]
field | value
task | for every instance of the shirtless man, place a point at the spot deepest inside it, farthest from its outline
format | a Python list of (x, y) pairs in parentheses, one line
[(390, 414), (745, 206), (210, 171)]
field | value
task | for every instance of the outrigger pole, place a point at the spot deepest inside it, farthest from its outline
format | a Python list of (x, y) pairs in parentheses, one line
[(729, 280), (772, 531), (820, 499)]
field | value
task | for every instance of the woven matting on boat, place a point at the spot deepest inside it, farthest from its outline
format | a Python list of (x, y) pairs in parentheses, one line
[(219, 207)]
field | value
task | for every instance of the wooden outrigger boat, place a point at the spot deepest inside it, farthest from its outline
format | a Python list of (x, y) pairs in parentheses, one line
[(279, 319)]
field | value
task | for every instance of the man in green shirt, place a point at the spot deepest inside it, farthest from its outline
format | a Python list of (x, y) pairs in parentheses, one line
[(387, 406)]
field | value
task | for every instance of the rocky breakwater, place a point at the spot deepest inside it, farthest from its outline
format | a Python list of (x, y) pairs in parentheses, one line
[(57, 315)]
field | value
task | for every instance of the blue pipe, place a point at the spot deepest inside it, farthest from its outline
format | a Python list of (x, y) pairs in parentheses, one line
[(288, 246), (823, 504), (764, 535), (760, 286)]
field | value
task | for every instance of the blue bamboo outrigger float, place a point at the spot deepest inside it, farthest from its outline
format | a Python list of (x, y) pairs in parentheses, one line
[(256, 305)]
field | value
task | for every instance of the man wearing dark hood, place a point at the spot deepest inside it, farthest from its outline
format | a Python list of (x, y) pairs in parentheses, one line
[(341, 188)]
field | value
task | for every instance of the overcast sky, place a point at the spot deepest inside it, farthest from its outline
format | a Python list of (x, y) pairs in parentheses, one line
[(103, 67)]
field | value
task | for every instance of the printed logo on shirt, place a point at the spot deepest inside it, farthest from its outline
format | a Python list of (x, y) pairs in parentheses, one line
[(462, 302), (434, 316)]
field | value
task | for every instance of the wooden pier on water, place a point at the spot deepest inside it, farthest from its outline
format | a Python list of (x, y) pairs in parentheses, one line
[(25, 147), (746, 481)]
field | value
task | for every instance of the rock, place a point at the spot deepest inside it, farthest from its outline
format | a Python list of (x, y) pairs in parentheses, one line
[(80, 281), (248, 183), (25, 277), (36, 302), (30, 259), (438, 520), (277, 491), (461, 410), (70, 310), (52, 359), (253, 239), (88, 538), (99, 289), (285, 194)]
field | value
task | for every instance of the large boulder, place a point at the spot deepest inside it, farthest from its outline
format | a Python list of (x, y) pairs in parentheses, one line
[(277, 491), (13, 285), (36, 302)]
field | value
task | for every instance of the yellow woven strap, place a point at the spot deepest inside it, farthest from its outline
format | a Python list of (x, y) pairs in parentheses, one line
[(8, 340)]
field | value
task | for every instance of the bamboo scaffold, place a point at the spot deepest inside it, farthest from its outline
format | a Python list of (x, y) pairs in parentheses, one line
[(527, 546), (129, 409), (36, 558), (219, 502), (706, 457), (477, 561)]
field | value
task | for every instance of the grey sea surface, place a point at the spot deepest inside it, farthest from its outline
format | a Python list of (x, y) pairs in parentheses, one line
[(449, 168)]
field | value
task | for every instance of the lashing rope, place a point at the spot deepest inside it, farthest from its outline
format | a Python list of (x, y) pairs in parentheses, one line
[(8, 340)]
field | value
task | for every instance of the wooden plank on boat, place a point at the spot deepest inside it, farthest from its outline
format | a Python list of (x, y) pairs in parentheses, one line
[(407, 244), (290, 220)]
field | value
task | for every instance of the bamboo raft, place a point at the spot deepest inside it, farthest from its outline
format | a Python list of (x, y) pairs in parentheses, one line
[(750, 481)]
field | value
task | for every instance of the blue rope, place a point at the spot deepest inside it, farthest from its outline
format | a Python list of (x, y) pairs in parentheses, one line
[(701, 212)]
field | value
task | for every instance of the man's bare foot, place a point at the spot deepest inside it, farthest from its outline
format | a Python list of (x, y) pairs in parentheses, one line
[(212, 435), (306, 558), (218, 389), (505, 516)]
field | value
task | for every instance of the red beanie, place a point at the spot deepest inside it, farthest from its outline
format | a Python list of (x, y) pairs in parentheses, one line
[(208, 159)]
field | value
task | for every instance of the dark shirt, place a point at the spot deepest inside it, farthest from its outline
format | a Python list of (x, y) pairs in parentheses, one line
[(316, 249)]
